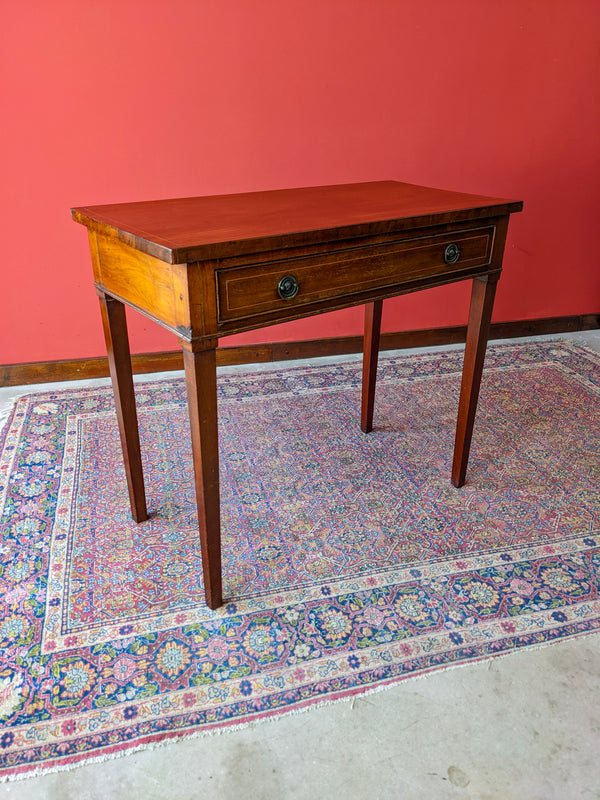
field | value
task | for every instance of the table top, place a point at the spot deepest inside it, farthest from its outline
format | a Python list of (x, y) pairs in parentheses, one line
[(195, 228)]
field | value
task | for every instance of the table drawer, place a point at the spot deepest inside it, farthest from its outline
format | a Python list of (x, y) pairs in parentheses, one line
[(248, 290)]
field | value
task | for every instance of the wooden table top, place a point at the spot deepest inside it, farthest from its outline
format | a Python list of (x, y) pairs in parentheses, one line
[(195, 228)]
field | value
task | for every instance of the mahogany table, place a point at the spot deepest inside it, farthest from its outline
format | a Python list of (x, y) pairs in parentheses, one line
[(207, 267)]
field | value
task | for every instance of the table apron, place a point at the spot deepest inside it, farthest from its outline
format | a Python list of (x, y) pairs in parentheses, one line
[(252, 290), (204, 300)]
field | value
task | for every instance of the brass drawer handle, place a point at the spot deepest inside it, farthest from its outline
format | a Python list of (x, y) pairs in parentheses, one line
[(452, 254), (287, 287)]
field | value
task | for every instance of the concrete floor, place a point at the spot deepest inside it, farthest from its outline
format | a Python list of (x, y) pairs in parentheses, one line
[(526, 726)]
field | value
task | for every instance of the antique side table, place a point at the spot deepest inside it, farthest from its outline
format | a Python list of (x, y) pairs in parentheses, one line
[(207, 267)]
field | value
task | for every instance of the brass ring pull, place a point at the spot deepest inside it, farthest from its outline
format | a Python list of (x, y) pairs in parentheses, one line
[(452, 254), (287, 287)]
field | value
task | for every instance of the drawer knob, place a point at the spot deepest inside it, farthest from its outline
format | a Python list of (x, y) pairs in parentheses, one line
[(452, 254), (287, 287)]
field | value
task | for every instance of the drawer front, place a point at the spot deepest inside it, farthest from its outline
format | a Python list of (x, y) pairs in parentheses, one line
[(246, 291)]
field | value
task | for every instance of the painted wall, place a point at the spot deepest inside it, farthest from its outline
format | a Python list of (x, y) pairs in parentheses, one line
[(122, 100)]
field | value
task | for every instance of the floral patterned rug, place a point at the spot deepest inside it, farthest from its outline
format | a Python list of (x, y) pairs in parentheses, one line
[(349, 561)]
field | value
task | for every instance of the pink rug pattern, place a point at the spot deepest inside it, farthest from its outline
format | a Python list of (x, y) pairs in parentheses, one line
[(349, 561)]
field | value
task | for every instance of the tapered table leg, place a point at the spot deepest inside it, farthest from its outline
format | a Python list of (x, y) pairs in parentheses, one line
[(370, 358), (201, 381), (480, 315), (119, 361)]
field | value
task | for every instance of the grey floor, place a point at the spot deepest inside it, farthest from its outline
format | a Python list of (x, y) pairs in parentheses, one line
[(526, 726)]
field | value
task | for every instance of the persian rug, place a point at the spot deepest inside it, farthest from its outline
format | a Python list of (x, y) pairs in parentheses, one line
[(349, 561)]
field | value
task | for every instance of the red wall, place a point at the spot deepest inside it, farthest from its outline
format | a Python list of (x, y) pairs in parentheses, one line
[(122, 100)]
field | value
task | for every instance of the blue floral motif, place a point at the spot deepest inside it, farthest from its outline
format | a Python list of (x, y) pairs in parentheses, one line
[(264, 639), (414, 608), (331, 625), (7, 739)]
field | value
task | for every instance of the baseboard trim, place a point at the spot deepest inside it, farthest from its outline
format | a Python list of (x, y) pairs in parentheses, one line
[(76, 369)]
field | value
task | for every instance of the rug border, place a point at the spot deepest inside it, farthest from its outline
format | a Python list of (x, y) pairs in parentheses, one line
[(164, 739)]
